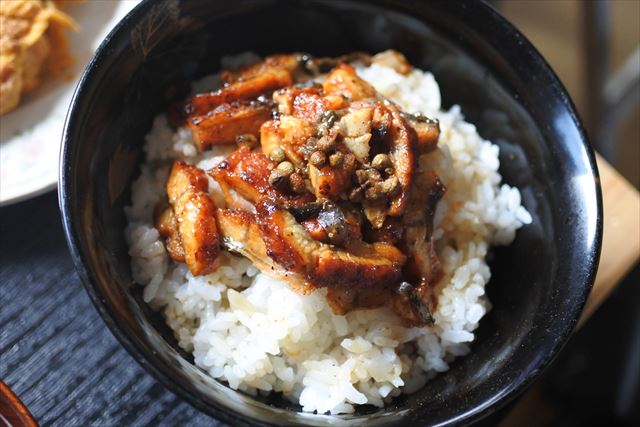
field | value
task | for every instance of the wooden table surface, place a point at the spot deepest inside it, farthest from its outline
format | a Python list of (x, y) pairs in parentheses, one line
[(621, 235), (57, 355)]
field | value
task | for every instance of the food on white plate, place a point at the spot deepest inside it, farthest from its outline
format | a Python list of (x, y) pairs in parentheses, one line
[(33, 47), (318, 227)]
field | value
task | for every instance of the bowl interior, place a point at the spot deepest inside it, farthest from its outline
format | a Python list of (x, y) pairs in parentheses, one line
[(539, 283)]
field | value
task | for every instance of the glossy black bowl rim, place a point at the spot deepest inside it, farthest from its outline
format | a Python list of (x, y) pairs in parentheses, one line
[(495, 24)]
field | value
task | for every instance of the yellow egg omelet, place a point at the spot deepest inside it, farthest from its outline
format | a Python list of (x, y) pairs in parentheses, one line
[(33, 46)]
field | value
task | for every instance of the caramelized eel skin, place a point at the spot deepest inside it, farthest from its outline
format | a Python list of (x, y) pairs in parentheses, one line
[(307, 202), (194, 210)]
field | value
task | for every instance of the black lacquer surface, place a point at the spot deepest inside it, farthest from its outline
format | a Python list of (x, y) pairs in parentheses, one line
[(540, 283)]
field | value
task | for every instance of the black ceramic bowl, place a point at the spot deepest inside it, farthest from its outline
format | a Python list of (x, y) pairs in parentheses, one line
[(539, 283)]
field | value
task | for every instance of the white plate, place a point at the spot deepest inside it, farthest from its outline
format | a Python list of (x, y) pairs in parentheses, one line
[(30, 135)]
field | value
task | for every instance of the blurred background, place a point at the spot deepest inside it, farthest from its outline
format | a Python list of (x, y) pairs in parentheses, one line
[(582, 39), (594, 47)]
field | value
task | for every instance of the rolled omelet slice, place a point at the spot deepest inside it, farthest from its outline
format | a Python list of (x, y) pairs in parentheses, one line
[(33, 47)]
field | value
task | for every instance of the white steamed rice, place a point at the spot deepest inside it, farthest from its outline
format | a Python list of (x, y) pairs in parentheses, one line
[(253, 332)]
